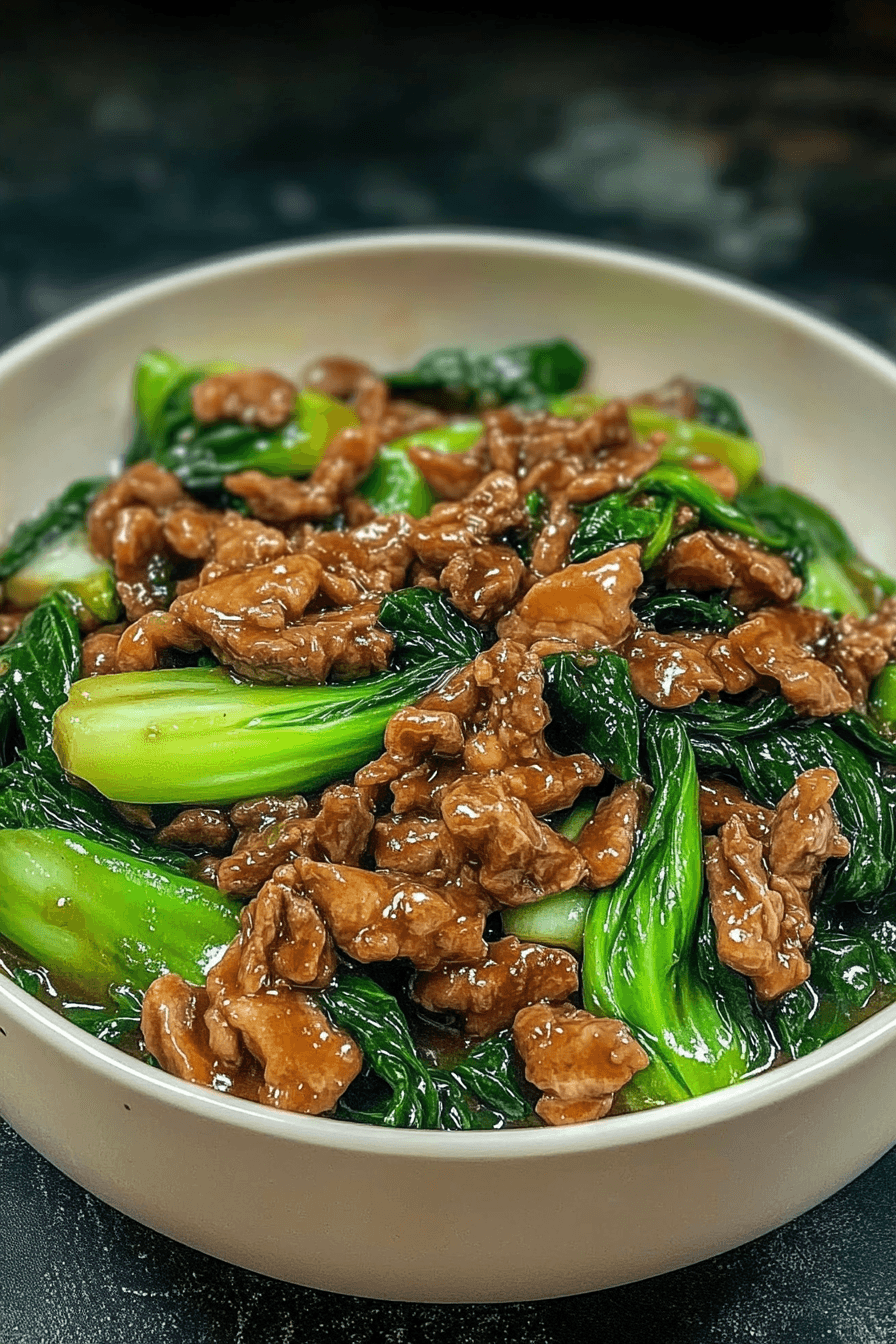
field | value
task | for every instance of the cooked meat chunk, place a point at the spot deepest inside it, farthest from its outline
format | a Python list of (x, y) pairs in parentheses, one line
[(405, 418), (714, 473), (255, 813), (702, 561), (226, 542), (450, 529), (488, 994), (362, 561), (577, 1060), (784, 643), (417, 844), (494, 713), (173, 1027), (308, 1062), (458, 694), (568, 459), (98, 651), (141, 561), (9, 624), (255, 622), (282, 936), (513, 715), (215, 1036), (606, 842), (448, 475), (144, 644), (145, 484), (553, 782), (760, 889), (619, 471), (381, 916), (198, 828), (582, 606), (859, 649), (335, 376), (670, 670), (551, 549), (804, 831), (252, 396), (677, 397), (347, 459), (424, 787), (343, 825), (719, 801), (259, 852), (411, 736), (736, 673), (756, 933), (520, 858), (483, 582)]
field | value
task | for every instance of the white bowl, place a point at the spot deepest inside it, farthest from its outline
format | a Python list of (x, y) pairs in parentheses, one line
[(469, 1216)]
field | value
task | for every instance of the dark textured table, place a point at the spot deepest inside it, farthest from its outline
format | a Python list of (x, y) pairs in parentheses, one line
[(130, 144)]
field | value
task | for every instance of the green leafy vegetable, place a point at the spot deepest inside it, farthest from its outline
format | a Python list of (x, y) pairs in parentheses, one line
[(686, 486), (557, 920), (718, 408), (37, 667), (36, 795), (853, 959), (525, 375), (111, 1022), (67, 564), (838, 579), (56, 520), (681, 610), (487, 1071), (613, 520), (647, 512), (592, 698), (645, 958), (427, 626), (194, 735), (882, 699), (96, 918), (736, 718), (419, 1096)]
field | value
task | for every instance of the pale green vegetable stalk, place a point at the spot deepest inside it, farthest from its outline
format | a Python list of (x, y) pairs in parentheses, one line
[(96, 918), (195, 735), (67, 563)]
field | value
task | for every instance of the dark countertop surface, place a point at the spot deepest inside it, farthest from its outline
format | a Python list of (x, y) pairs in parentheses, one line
[(159, 143)]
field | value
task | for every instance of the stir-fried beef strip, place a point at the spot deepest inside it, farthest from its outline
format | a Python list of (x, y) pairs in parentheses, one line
[(607, 841), (760, 887), (251, 396), (456, 818), (578, 1061), (701, 561), (581, 606), (488, 994)]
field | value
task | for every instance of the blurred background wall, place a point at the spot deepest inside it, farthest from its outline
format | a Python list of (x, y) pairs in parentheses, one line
[(135, 137)]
